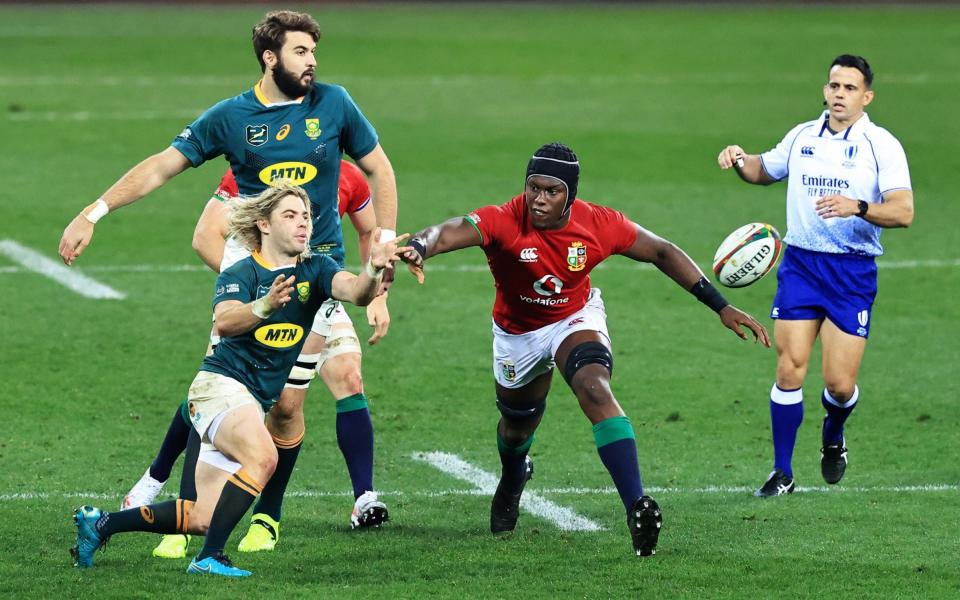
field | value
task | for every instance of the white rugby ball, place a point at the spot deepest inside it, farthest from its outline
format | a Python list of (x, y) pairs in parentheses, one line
[(747, 254)]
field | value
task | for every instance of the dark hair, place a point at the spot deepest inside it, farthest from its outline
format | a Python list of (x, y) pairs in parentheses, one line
[(271, 32), (856, 62)]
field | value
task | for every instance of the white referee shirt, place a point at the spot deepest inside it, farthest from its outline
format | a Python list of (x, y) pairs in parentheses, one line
[(862, 162)]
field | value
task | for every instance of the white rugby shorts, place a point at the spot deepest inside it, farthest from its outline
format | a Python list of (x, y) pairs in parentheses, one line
[(519, 358)]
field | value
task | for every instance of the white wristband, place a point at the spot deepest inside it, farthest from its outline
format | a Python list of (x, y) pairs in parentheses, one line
[(96, 211), (372, 271), (386, 235), (261, 308)]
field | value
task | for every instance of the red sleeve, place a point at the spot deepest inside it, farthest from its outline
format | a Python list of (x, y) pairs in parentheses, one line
[(227, 190), (354, 192), (495, 222), (619, 232)]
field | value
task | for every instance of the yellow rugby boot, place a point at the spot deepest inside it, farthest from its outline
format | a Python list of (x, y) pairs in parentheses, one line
[(263, 535), (172, 546)]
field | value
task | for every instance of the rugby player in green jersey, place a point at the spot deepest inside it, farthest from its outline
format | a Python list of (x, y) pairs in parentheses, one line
[(262, 305), (287, 126)]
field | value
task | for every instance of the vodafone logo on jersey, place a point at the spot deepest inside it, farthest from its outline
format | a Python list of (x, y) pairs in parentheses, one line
[(529, 255), (546, 286)]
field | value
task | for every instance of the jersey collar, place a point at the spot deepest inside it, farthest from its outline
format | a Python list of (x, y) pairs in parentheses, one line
[(260, 260), (853, 132), (262, 98)]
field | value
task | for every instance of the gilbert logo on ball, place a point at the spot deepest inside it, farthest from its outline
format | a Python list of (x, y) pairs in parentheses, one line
[(747, 254)]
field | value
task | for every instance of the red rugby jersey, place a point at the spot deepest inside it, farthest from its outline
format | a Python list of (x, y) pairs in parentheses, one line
[(544, 276), (353, 192)]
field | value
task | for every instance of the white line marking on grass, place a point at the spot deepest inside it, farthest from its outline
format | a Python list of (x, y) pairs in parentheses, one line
[(441, 268), (71, 278), (451, 464), (573, 491)]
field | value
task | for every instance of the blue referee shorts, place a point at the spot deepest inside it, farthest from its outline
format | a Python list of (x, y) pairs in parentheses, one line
[(814, 285)]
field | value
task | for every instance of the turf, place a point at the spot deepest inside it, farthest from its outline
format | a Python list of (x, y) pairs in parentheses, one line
[(460, 97)]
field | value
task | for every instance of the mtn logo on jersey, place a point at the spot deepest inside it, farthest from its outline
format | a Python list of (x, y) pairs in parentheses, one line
[(297, 172), (313, 130), (528, 255), (257, 135), (576, 256), (279, 335)]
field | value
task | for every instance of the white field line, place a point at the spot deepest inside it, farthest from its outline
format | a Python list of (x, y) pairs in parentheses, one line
[(564, 491), (70, 278), (451, 464), (472, 268)]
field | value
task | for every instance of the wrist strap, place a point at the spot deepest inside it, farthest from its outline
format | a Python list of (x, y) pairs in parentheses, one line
[(261, 308), (386, 235), (417, 244), (96, 211), (706, 293)]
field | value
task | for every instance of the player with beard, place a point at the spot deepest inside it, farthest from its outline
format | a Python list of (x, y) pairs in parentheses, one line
[(541, 247), (288, 126)]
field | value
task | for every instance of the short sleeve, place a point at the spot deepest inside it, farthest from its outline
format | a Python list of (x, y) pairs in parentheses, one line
[(892, 170), (619, 231), (776, 161), (227, 189), (203, 139), (489, 221), (358, 137), (355, 187), (233, 285)]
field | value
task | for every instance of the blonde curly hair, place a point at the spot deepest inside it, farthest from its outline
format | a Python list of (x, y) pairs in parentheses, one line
[(246, 211)]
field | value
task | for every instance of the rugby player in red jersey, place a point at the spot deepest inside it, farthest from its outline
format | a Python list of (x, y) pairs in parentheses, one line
[(219, 252), (541, 247)]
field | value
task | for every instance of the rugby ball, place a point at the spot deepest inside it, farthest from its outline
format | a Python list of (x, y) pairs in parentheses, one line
[(747, 254)]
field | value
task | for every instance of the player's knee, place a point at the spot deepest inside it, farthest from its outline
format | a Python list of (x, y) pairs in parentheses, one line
[(593, 391), (585, 354), (841, 391), (790, 373), (520, 420), (266, 464), (343, 373)]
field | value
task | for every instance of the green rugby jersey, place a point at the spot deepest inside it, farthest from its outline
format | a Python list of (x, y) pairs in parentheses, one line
[(301, 140), (261, 358)]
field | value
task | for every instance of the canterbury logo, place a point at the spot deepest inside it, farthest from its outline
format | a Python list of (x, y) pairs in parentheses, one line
[(528, 255), (147, 513)]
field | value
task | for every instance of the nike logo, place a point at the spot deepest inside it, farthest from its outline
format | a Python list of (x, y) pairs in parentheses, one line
[(196, 567)]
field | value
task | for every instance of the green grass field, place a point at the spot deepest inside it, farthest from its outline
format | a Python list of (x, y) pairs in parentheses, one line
[(460, 98)]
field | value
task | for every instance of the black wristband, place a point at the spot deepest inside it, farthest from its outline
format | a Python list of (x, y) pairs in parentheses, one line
[(417, 245), (706, 293), (862, 206)]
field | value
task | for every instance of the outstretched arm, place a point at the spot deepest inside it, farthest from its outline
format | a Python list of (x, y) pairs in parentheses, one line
[(362, 289), (139, 181), (378, 316), (675, 263), (453, 234), (748, 166)]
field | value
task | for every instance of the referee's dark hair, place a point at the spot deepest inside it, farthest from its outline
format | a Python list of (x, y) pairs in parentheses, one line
[(856, 62)]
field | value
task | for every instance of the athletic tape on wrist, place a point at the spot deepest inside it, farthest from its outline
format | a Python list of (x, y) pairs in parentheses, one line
[(386, 235), (96, 211), (372, 271), (261, 308)]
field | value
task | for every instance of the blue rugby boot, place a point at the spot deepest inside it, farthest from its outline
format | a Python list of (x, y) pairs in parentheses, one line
[(217, 564), (88, 540)]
